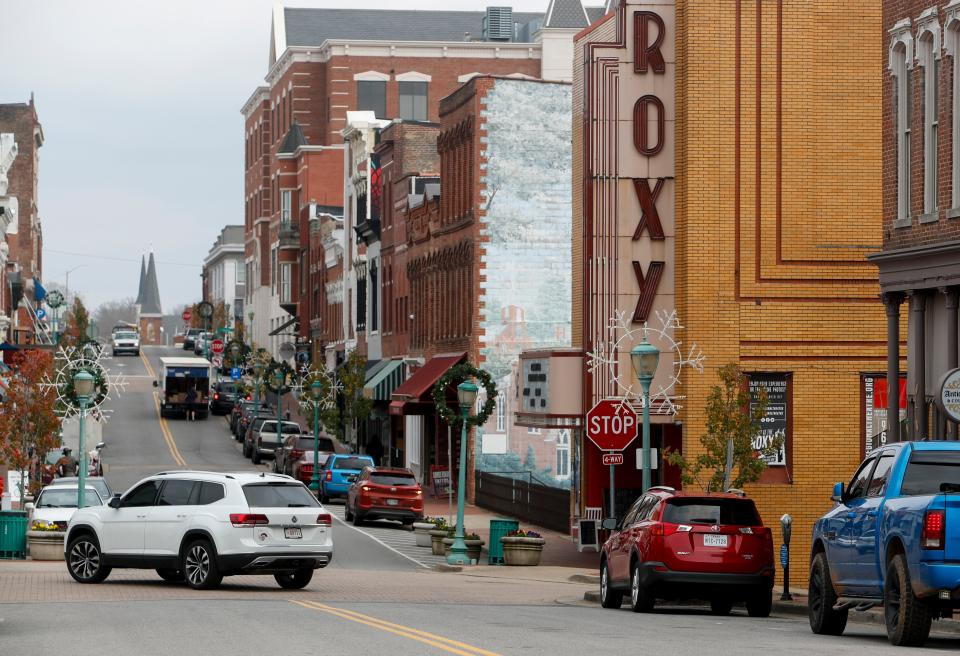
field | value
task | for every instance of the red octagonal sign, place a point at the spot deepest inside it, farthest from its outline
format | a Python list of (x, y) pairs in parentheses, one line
[(217, 346), (612, 425)]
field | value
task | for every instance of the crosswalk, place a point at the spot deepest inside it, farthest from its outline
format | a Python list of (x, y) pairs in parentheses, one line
[(393, 536)]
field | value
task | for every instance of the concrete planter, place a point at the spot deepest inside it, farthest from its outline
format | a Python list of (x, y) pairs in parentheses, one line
[(436, 541), (45, 545), (474, 547), (421, 531), (522, 551)]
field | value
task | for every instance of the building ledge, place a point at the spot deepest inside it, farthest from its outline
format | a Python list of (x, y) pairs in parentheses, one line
[(930, 217), (953, 213), (905, 222)]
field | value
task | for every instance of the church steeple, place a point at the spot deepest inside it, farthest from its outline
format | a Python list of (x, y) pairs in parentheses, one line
[(150, 303), (143, 279)]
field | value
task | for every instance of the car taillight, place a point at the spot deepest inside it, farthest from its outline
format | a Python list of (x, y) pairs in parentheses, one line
[(934, 527), (325, 519), (419, 491), (657, 529), (329, 476), (306, 469), (241, 520), (366, 488), (216, 396)]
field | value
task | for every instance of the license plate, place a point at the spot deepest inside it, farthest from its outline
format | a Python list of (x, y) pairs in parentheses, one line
[(292, 532), (715, 540), (393, 502)]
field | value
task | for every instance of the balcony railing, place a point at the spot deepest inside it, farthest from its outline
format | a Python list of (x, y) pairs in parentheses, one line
[(289, 235)]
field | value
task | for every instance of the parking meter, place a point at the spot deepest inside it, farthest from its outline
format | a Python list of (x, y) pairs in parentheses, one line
[(786, 523)]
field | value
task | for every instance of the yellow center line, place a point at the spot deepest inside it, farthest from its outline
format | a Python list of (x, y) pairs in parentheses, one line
[(164, 428), (444, 644)]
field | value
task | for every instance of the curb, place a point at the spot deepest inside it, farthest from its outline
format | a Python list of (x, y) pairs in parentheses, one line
[(443, 567), (585, 578)]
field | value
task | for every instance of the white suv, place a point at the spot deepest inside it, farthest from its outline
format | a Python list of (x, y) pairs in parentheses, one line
[(126, 341), (202, 526)]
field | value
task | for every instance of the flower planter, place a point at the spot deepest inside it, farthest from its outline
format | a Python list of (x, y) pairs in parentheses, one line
[(421, 531), (45, 545), (436, 541), (522, 551), (474, 547)]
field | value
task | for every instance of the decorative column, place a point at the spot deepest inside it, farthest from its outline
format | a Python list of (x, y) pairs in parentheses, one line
[(892, 302), (952, 359), (918, 309)]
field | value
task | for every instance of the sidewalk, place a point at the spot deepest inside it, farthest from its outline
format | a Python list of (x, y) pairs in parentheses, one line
[(559, 551)]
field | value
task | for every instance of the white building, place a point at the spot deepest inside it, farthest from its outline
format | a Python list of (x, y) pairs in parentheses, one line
[(224, 275)]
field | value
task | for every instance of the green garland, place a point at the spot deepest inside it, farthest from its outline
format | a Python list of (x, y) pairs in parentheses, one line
[(270, 374), (100, 385), (456, 375)]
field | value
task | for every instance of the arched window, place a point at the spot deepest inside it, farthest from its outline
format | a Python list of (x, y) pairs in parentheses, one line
[(501, 413), (563, 454), (952, 46), (928, 57), (900, 66)]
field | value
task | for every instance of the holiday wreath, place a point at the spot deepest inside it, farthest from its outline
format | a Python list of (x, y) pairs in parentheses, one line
[(454, 376)]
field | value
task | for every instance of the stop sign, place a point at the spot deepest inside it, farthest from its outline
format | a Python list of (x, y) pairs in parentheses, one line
[(186, 315), (612, 425), (217, 346)]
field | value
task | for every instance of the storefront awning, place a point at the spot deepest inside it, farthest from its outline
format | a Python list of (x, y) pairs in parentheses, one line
[(416, 389), (384, 380)]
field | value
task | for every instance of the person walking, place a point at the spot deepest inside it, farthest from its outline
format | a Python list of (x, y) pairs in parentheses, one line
[(191, 401)]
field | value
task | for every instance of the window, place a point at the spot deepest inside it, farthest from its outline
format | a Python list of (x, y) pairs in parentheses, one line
[(900, 53), (285, 199), (563, 454), (273, 270), (533, 431), (241, 275), (952, 43), (175, 493), (142, 495), (372, 97), (858, 484), (279, 495), (413, 101), (501, 412), (208, 493), (374, 298), (285, 283), (362, 304), (928, 470), (929, 58), (878, 484), (693, 510)]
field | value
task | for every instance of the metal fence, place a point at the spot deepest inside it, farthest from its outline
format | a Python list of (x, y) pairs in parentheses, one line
[(519, 495)]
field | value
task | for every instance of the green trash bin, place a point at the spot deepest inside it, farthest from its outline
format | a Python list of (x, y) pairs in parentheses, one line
[(13, 534), (498, 529)]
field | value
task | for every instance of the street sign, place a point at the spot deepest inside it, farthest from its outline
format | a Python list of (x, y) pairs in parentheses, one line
[(287, 350), (217, 346), (41, 313), (224, 331), (236, 373), (612, 425), (217, 361), (186, 315), (613, 458)]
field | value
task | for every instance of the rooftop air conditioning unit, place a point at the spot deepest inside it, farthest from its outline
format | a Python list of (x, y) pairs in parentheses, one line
[(498, 24)]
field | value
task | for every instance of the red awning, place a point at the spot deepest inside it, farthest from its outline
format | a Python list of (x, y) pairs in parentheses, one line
[(416, 388)]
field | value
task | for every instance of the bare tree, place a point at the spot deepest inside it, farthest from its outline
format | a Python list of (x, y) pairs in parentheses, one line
[(109, 313)]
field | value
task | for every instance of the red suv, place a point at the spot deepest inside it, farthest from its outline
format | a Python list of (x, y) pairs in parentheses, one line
[(384, 493), (671, 545)]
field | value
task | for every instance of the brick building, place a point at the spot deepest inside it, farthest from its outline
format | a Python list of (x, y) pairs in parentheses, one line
[(324, 63), (735, 182), (149, 311), (24, 235)]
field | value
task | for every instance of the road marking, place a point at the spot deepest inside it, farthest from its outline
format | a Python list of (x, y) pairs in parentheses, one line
[(432, 639), (146, 363), (377, 540), (402, 541), (164, 428)]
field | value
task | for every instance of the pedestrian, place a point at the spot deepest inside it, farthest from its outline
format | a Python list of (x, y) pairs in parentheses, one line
[(67, 465), (191, 401)]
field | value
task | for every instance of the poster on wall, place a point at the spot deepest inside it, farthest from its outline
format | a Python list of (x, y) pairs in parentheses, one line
[(773, 424), (874, 395)]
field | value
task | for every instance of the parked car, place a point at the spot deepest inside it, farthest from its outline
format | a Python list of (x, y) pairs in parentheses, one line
[(337, 472), (892, 540), (190, 338), (673, 545), (239, 405), (251, 430), (201, 345), (56, 504), (126, 341), (223, 397), (268, 438), (96, 482), (202, 526), (294, 446), (302, 467), (384, 493)]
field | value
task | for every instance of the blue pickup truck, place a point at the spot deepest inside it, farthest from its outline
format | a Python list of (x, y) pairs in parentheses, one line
[(892, 540)]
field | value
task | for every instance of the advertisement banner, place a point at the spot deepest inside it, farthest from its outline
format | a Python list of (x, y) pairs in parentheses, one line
[(774, 423), (874, 394)]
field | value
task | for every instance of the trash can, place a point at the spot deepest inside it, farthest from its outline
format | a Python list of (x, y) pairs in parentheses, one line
[(13, 534), (498, 529)]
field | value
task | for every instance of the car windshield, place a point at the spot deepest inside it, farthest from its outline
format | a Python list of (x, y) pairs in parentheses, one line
[(66, 497), (99, 485), (392, 479), (288, 429), (228, 388), (734, 512), (125, 336), (351, 463), (928, 470), (279, 495)]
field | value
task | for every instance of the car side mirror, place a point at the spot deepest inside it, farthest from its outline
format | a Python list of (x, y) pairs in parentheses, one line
[(609, 524), (115, 501), (156, 383), (100, 445), (29, 507), (837, 493)]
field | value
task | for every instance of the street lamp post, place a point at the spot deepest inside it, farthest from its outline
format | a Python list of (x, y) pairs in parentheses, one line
[(278, 379), (467, 396), (316, 392), (257, 373), (83, 391), (645, 358)]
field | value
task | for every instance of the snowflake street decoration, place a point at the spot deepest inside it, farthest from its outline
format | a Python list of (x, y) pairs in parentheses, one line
[(69, 362), (622, 336), (303, 384)]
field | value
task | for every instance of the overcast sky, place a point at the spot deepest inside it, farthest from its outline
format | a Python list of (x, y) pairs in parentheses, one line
[(140, 106)]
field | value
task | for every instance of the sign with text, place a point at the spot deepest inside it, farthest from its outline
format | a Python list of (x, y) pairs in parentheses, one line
[(948, 394), (612, 425), (613, 458), (217, 346), (187, 314), (875, 395), (773, 424)]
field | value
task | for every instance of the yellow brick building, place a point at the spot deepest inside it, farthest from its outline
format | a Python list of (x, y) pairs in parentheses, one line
[(773, 122)]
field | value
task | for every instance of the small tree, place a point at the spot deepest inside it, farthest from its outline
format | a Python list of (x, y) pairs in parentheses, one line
[(77, 329), (356, 407), (731, 423)]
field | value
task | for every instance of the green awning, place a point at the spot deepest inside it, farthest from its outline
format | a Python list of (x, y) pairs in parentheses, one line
[(381, 385)]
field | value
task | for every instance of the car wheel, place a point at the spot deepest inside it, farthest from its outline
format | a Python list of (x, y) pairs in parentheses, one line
[(641, 601), (172, 575), (323, 497), (200, 566), (347, 513), (720, 606), (609, 598), (256, 456), (274, 466), (294, 580), (246, 451), (84, 560), (907, 617), (821, 598), (407, 523), (760, 603), (357, 519)]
